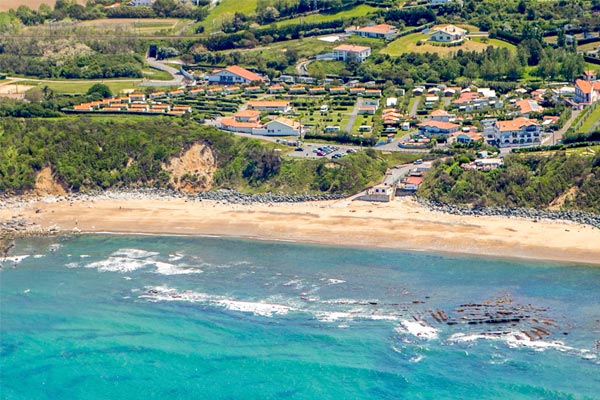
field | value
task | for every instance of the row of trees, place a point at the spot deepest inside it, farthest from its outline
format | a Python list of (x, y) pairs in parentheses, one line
[(95, 9)]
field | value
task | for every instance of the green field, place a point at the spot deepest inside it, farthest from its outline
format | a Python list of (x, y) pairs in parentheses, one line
[(225, 9), (408, 43), (359, 11), (79, 87), (590, 121), (326, 67)]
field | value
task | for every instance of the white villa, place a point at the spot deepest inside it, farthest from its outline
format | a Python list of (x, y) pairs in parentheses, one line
[(280, 126), (447, 34), (349, 52), (517, 132), (381, 31), (234, 75)]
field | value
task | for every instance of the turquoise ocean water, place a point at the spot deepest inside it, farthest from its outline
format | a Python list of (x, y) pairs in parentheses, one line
[(149, 317)]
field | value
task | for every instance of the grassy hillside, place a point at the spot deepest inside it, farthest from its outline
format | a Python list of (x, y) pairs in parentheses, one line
[(226, 9), (97, 153)]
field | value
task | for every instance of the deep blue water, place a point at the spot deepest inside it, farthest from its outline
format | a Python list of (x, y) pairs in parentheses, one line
[(148, 317)]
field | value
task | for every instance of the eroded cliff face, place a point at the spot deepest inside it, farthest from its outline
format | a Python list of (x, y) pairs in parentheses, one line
[(194, 170), (47, 185)]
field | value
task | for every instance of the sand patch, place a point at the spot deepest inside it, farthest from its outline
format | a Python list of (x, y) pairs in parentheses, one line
[(14, 91)]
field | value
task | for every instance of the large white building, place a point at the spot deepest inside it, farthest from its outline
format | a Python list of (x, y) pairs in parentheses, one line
[(517, 132), (234, 75), (447, 34), (280, 126), (349, 52)]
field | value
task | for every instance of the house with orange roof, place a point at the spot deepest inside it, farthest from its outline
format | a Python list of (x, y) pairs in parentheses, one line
[(276, 89), (412, 183), (337, 90), (297, 89), (373, 93), (280, 126), (243, 121), (177, 93), (234, 75), (317, 90), (112, 109), (271, 106), (253, 89), (137, 97), (431, 127), (157, 95), (528, 106), (517, 132), (83, 107), (350, 52), (586, 92), (380, 31), (196, 92), (357, 90), (442, 115), (465, 137)]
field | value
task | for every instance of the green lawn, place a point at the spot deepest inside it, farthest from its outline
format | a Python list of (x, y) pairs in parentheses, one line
[(225, 9), (358, 11), (408, 43), (79, 87), (496, 43), (326, 67), (156, 74), (589, 122)]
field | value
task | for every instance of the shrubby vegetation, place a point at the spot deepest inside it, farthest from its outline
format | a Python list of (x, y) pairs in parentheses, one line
[(525, 180), (90, 153)]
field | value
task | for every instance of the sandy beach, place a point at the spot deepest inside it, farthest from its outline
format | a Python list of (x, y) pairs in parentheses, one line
[(401, 224)]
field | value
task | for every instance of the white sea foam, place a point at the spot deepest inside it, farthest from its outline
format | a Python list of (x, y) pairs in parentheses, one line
[(119, 264), (416, 359), (257, 308), (333, 281), (418, 329), (519, 340), (175, 257), (164, 268), (165, 293), (134, 253), (84, 256), (39, 255), (332, 316), (14, 259)]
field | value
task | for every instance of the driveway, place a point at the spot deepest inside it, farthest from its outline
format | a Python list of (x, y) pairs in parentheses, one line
[(177, 77), (354, 114)]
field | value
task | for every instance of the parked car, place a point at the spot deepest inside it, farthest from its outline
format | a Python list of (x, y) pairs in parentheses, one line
[(351, 151), (298, 149)]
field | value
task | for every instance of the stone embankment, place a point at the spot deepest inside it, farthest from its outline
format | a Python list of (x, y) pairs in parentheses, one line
[(579, 217)]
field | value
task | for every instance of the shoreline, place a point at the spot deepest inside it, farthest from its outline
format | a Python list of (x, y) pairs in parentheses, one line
[(403, 224)]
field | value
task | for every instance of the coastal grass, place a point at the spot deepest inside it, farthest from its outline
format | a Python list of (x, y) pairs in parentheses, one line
[(156, 74), (323, 68), (358, 11), (225, 9), (592, 120)]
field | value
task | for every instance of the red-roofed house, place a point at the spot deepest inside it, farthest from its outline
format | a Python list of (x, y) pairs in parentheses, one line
[(349, 52), (382, 31), (234, 75), (432, 127), (466, 137), (528, 106), (442, 115), (586, 92), (243, 121), (413, 182)]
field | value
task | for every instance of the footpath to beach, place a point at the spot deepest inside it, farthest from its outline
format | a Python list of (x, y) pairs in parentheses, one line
[(400, 224)]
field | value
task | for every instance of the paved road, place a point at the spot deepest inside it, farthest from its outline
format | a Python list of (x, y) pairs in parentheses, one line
[(413, 110), (557, 135), (177, 77), (301, 67), (354, 114)]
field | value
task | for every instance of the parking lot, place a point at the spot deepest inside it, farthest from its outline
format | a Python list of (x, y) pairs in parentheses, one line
[(320, 150)]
